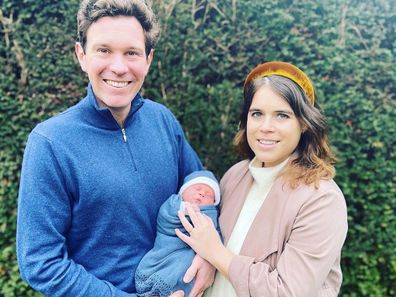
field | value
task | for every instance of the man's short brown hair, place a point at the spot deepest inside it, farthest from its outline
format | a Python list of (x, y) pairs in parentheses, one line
[(92, 10)]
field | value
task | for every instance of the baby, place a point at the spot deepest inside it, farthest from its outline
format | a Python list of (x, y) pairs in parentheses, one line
[(161, 270)]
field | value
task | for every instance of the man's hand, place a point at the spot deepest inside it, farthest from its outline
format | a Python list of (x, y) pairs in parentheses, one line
[(204, 276), (177, 294)]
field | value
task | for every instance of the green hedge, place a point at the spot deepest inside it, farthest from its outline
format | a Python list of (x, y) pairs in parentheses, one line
[(206, 49)]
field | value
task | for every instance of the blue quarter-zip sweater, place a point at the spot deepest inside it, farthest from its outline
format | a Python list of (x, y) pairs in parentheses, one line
[(90, 193)]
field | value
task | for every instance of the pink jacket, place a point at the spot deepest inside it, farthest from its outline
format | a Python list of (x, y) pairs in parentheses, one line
[(293, 247)]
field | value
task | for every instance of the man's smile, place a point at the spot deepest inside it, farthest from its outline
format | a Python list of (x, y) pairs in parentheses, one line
[(117, 84)]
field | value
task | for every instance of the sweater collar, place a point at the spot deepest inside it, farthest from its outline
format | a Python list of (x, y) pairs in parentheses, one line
[(264, 176), (102, 115)]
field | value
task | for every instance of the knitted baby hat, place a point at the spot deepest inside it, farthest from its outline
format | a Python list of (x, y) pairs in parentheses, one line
[(202, 177)]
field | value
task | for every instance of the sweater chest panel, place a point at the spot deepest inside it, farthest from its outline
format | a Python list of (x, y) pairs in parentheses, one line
[(111, 173)]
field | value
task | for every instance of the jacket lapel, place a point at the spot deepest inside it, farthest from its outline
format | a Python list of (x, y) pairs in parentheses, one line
[(230, 210), (263, 237)]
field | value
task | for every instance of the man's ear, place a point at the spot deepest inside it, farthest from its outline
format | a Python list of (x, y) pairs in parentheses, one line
[(80, 55), (149, 60)]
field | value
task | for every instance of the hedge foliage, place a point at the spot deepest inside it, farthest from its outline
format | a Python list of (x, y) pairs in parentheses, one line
[(207, 48)]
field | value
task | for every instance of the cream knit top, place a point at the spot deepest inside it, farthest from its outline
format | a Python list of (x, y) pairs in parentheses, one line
[(263, 178)]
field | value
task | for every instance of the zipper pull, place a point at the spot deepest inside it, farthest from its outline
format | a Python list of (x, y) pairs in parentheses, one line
[(124, 134)]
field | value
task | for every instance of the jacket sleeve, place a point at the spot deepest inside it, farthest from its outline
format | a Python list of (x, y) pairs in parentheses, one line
[(316, 239), (44, 216)]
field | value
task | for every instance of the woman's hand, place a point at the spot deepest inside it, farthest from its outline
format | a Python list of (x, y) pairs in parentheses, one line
[(204, 239)]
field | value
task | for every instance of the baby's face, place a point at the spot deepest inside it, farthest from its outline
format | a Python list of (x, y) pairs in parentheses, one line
[(200, 194)]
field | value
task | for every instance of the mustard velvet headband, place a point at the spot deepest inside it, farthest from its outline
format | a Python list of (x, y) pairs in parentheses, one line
[(283, 69)]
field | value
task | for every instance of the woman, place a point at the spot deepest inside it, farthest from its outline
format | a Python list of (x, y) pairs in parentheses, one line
[(283, 218)]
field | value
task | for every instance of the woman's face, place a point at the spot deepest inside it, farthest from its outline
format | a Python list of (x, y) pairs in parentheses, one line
[(273, 130)]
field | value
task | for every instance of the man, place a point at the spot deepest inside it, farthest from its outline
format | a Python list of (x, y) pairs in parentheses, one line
[(93, 178)]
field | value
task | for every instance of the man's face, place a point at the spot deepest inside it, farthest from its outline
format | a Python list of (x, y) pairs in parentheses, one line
[(199, 194), (115, 61)]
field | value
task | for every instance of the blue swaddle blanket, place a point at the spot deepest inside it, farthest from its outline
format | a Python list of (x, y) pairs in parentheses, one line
[(161, 270)]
